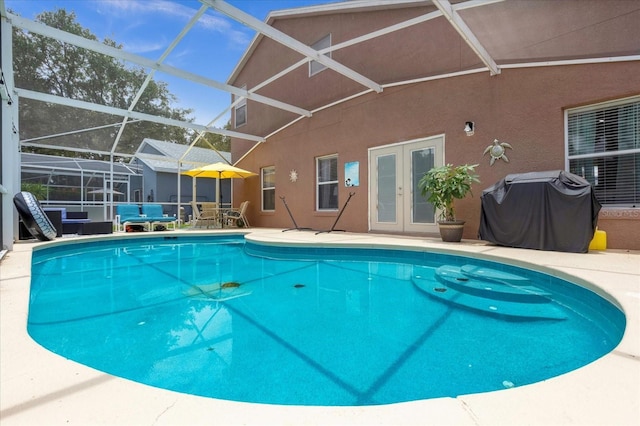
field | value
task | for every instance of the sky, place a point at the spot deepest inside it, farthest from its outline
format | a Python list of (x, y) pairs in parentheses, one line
[(146, 27)]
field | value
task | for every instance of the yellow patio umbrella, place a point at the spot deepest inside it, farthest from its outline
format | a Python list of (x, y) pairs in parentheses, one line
[(218, 171)]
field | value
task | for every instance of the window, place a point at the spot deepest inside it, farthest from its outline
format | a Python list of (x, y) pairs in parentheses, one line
[(241, 111), (327, 183), (603, 145), (314, 66), (268, 188)]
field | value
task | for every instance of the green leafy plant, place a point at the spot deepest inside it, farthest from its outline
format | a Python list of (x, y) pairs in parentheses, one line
[(37, 189), (442, 185)]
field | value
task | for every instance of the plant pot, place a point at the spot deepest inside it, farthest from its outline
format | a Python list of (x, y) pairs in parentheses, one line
[(451, 231)]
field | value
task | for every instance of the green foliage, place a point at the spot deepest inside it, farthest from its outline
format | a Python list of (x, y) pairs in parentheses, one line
[(442, 185), (215, 141), (51, 66), (37, 189)]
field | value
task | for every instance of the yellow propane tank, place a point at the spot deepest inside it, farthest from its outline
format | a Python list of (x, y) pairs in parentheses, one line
[(599, 241)]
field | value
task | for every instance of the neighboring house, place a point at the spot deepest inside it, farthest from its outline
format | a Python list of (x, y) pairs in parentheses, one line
[(159, 160), (564, 92)]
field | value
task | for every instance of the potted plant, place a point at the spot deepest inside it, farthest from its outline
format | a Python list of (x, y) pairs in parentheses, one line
[(441, 186)]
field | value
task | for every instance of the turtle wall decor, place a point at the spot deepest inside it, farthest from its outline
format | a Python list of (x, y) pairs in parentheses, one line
[(497, 151)]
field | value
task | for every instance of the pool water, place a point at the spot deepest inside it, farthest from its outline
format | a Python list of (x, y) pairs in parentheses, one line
[(219, 317)]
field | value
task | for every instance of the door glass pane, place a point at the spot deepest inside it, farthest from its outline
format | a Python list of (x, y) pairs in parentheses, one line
[(421, 161), (386, 188)]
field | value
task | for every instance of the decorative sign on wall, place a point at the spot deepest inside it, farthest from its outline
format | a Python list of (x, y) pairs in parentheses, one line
[(293, 175), (352, 173), (497, 151)]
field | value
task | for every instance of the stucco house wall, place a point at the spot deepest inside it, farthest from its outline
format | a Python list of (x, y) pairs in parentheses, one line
[(522, 106)]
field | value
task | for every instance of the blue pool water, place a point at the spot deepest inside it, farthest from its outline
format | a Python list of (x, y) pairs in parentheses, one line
[(225, 318)]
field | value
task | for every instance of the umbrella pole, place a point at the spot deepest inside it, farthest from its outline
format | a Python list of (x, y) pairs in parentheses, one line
[(219, 214), (218, 189)]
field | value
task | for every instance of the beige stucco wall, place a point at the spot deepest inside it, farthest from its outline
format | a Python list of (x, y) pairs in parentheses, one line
[(524, 107)]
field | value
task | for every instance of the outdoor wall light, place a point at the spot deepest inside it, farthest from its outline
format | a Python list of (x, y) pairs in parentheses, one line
[(469, 128)]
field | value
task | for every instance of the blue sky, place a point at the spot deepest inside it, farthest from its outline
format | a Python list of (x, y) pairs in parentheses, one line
[(146, 27)]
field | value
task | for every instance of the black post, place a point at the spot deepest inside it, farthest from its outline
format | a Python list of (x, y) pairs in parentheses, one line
[(296, 227), (351, 194)]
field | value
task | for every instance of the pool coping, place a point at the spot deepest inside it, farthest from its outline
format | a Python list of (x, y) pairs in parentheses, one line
[(39, 387)]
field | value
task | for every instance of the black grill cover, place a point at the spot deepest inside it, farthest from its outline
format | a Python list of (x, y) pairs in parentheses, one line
[(553, 210)]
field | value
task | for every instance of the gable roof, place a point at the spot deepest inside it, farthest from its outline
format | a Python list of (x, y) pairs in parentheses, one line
[(163, 156), (351, 6), (505, 34)]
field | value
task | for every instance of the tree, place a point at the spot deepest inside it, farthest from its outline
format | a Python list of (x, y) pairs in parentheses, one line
[(216, 141), (51, 66)]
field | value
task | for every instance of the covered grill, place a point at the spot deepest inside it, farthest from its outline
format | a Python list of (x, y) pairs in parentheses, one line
[(552, 210)]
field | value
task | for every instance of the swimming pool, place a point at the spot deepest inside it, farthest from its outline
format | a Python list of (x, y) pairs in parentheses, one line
[(324, 329)]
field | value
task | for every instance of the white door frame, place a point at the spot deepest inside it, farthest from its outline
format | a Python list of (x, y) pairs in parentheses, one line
[(404, 192)]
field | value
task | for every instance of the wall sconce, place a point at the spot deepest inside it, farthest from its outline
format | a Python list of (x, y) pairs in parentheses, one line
[(469, 128)]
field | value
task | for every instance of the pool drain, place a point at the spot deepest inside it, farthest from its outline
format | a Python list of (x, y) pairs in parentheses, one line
[(298, 285)]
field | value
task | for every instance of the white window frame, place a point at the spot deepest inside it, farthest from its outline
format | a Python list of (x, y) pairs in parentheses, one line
[(242, 106), (585, 124), (314, 66), (264, 187), (319, 183)]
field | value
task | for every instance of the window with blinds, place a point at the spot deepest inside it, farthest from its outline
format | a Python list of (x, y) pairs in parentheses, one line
[(268, 188), (327, 183), (603, 146)]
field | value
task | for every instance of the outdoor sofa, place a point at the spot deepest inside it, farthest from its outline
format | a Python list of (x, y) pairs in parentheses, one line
[(67, 222), (151, 217)]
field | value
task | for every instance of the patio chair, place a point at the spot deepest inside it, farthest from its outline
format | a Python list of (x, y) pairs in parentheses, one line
[(157, 218), (237, 217), (207, 215), (195, 212), (129, 214)]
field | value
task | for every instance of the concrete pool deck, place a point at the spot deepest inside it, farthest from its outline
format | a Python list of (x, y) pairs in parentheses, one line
[(38, 387)]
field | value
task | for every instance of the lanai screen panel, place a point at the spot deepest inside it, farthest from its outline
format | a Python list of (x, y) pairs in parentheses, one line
[(62, 126), (75, 98), (543, 30), (512, 31), (80, 130)]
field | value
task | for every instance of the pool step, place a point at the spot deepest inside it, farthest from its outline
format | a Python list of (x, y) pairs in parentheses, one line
[(513, 310), (490, 291), (489, 274), (454, 277)]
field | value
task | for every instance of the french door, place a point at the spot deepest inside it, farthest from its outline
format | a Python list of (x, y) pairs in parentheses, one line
[(396, 204)]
